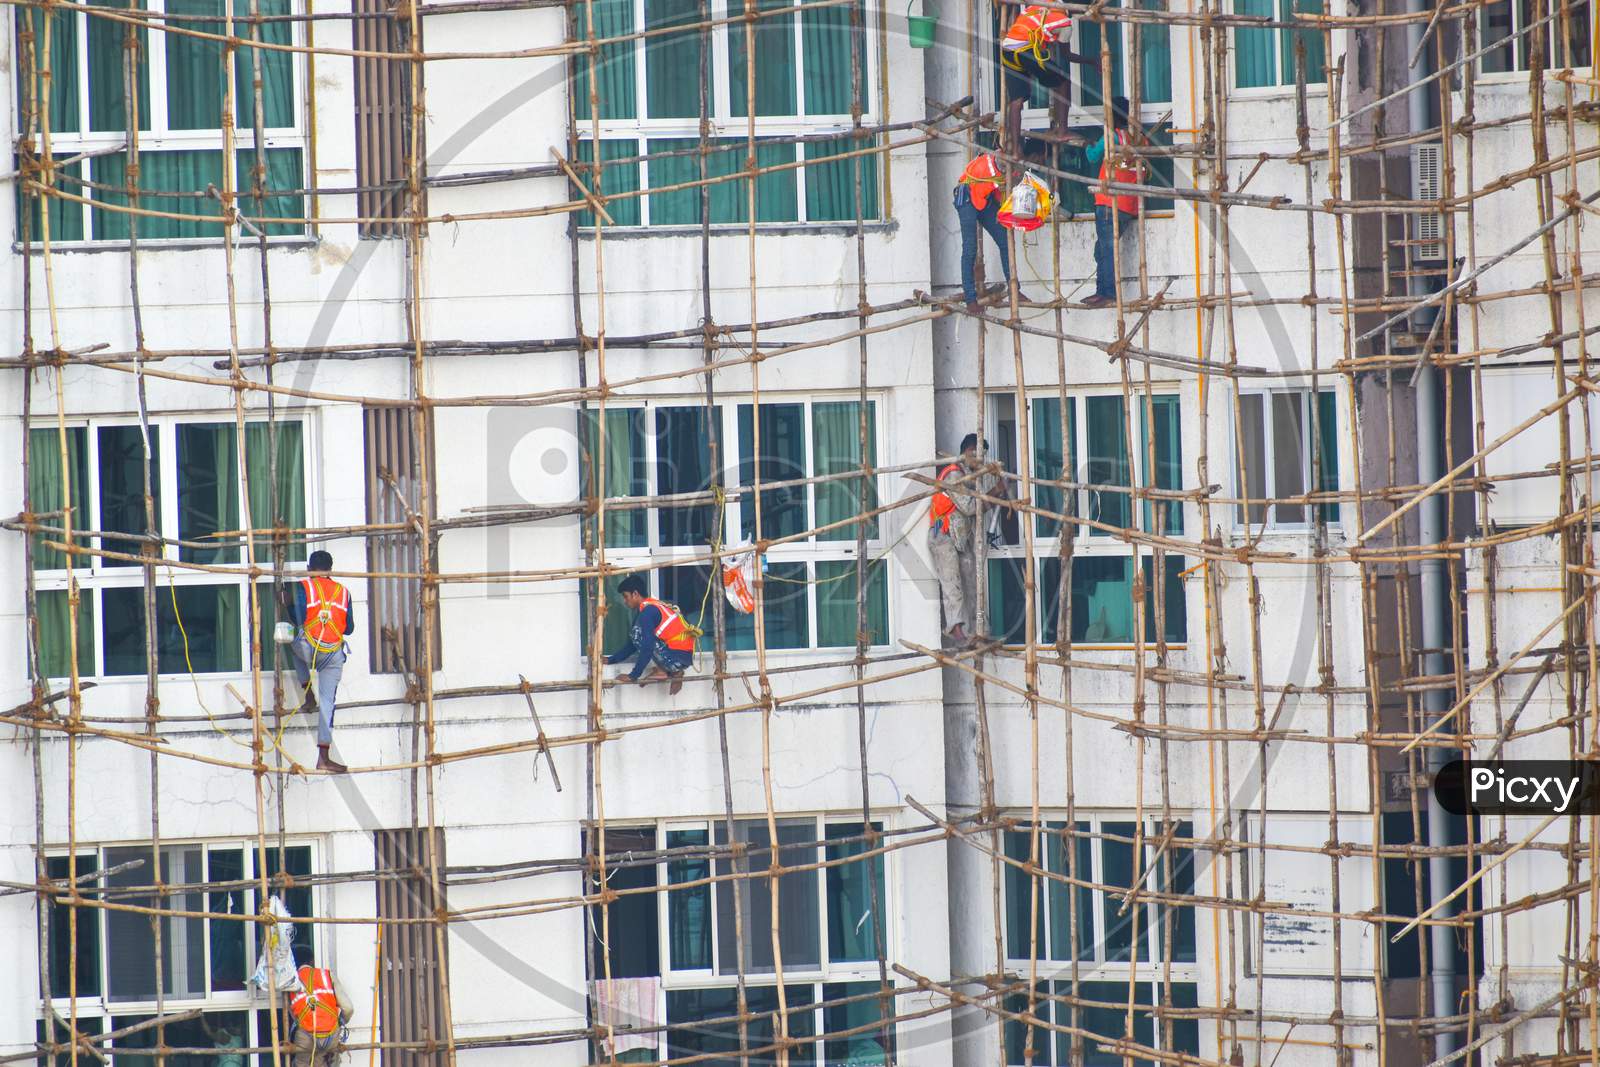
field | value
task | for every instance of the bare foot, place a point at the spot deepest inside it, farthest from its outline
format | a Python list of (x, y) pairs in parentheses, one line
[(327, 763), (677, 685)]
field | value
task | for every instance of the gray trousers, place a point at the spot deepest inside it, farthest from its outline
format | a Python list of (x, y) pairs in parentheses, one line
[(329, 667), (309, 1051), (958, 580)]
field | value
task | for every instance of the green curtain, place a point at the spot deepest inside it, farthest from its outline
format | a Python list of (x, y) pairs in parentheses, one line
[(63, 59), (616, 80), (208, 489), (863, 1049), (1102, 600), (1253, 47), (836, 448), (624, 470), (1155, 57), (681, 207), (615, 178), (774, 67), (1060, 893), (107, 80), (291, 484), (1108, 461), (1162, 413), (1327, 437), (836, 603), (55, 633), (1316, 59), (831, 186), (44, 486), (782, 459), (1008, 619), (853, 909), (1092, 80), (66, 216), (201, 632), (119, 453), (618, 618), (1047, 461), (277, 69), (194, 70), (284, 170), (776, 196), (161, 174), (672, 60), (825, 52), (688, 910)]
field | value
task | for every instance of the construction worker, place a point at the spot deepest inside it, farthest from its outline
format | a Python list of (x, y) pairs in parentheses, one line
[(1027, 57), (326, 614), (950, 518), (977, 201), (1112, 212), (317, 1016), (659, 636)]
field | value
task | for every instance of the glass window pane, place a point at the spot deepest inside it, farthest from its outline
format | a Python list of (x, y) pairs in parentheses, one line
[(45, 487), (1102, 599), (774, 66), (683, 465), (55, 633), (172, 181), (623, 472), (786, 608), (194, 71), (86, 1026), (628, 932), (680, 207), (130, 969), (1110, 1020), (619, 620), (1019, 909), (1162, 457), (782, 458), (1155, 57), (686, 586), (1288, 455), (296, 861), (66, 216), (1019, 1037), (282, 176), (1050, 600), (836, 449), (1050, 447), (123, 630), (1173, 604), (1122, 931), (719, 1041), (672, 60), (198, 629), (1176, 876), (776, 196), (1008, 609), (277, 70), (797, 899), (1496, 26), (831, 186), (689, 910), (88, 944), (855, 897), (208, 489), (63, 67), (1093, 81), (1182, 1035), (837, 618), (867, 1047), (825, 37), (1253, 60), (122, 460), (1310, 40), (281, 502), (221, 1029), (230, 962), (1065, 897), (615, 178), (1326, 434), (1077, 197), (1107, 461), (1252, 440), (615, 81)]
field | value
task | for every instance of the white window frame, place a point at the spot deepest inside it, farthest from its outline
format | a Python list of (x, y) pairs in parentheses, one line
[(1519, 68), (93, 573), (809, 551), (159, 137), (723, 124), (1270, 522), (237, 1000), (1279, 88)]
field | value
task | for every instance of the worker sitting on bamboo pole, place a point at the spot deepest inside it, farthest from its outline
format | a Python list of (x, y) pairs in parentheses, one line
[(1026, 56), (659, 639), (318, 1013), (1112, 212), (326, 615), (951, 516)]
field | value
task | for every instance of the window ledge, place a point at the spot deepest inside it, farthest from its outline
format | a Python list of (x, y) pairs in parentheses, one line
[(148, 244), (734, 229)]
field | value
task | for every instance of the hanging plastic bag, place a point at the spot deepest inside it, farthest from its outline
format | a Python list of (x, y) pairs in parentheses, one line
[(277, 954), (1028, 206), (739, 581)]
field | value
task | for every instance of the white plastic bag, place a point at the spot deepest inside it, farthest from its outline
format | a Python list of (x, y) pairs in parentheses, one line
[(277, 954), (739, 581)]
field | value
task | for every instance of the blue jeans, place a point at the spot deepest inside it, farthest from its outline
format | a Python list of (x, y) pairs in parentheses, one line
[(970, 218), (1105, 239)]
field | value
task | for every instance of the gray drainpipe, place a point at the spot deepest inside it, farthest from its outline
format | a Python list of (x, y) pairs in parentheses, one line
[(1434, 590)]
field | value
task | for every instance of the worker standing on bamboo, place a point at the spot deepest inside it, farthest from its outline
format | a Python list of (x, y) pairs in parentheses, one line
[(326, 615), (1112, 211), (951, 515), (318, 1013), (660, 638), (1029, 56)]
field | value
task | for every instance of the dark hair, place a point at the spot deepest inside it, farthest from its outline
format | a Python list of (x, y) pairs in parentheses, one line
[(319, 561), (970, 442), (632, 584), (1119, 112)]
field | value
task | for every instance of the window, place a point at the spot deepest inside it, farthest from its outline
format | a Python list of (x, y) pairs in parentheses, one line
[(383, 116), (1289, 447), (1266, 55), (649, 100), (1064, 919), (1101, 469), (178, 100), (394, 459), (690, 940), (1566, 36), (810, 583), (205, 962), (202, 624)]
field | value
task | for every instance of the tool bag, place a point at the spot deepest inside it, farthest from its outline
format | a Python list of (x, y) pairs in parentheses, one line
[(1028, 206)]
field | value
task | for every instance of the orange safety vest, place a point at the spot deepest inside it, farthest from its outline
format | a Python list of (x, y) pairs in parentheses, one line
[(1034, 31), (673, 630), (982, 176), (327, 611), (1124, 201), (939, 512), (316, 1008)]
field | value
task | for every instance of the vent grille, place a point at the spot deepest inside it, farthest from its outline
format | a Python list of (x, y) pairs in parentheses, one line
[(1427, 179)]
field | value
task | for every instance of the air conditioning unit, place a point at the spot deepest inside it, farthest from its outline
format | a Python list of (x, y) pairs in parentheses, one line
[(1427, 183)]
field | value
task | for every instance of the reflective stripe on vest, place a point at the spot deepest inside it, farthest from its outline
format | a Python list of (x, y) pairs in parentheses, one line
[(327, 611), (1035, 30), (939, 511), (1126, 202), (316, 1007), (673, 630), (982, 177)]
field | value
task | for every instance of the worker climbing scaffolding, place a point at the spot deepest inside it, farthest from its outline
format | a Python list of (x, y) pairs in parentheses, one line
[(326, 615)]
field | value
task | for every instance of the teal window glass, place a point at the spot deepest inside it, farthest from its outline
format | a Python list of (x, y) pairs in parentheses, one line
[(214, 1030), (777, 199), (708, 1030), (198, 630), (688, 910), (1070, 904), (281, 176), (836, 449), (1008, 619), (774, 66), (782, 458), (618, 619), (1326, 455), (837, 618), (683, 465), (63, 67), (1091, 82), (1023, 895), (1309, 39), (229, 964), (88, 944), (831, 185), (1174, 601), (855, 896), (108, 80), (628, 932), (1126, 934), (1025, 1043), (66, 216), (194, 72), (1176, 876), (616, 77), (1109, 1019), (672, 60), (1254, 63), (799, 928), (55, 633), (872, 1042), (87, 1026), (277, 68), (615, 178), (121, 458), (46, 481), (624, 469), (1160, 436), (1049, 463), (174, 182), (825, 34), (786, 613), (1155, 57), (1107, 461), (1102, 600)]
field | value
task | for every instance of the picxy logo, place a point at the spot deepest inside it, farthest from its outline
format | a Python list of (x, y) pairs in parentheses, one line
[(1542, 787)]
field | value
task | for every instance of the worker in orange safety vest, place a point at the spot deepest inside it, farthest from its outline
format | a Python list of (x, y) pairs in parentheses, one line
[(1029, 56), (977, 202), (951, 515), (318, 1012), (324, 615), (660, 637), (1113, 211)]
